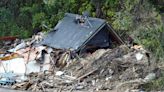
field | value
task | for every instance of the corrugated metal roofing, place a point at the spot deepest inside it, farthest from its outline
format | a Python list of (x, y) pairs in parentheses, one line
[(70, 35)]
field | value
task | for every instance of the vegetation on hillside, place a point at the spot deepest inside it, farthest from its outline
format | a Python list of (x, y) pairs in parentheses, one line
[(141, 19)]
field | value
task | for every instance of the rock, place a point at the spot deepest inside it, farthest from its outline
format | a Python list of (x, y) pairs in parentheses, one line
[(51, 77), (79, 87), (150, 77), (139, 56), (59, 73), (93, 82), (108, 78)]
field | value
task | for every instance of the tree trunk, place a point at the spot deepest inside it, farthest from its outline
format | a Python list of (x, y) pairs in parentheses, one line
[(99, 13)]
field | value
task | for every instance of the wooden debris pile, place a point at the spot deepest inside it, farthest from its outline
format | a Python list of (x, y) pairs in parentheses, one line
[(112, 69)]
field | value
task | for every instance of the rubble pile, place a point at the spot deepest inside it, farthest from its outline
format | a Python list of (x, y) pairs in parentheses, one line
[(41, 68), (113, 68)]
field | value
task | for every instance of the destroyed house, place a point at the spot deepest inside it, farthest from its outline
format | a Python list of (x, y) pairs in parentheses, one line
[(80, 33)]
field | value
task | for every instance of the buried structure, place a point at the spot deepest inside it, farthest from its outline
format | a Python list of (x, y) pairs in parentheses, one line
[(81, 33), (28, 65)]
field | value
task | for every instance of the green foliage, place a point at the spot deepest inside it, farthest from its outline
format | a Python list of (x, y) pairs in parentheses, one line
[(122, 20), (154, 85), (38, 19), (150, 38), (30, 14), (8, 26), (141, 20)]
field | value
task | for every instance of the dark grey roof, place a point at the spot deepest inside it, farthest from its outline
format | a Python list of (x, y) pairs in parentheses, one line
[(70, 35)]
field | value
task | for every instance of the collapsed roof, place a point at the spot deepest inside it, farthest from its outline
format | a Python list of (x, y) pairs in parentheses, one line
[(70, 34)]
